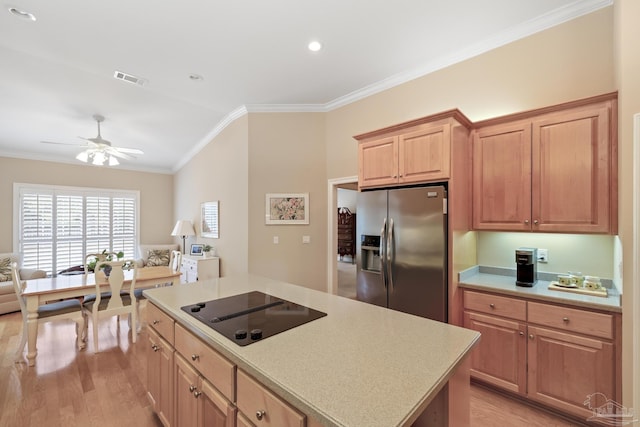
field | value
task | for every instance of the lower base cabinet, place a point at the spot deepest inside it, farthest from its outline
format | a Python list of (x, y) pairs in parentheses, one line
[(198, 403), (551, 354), (160, 366)]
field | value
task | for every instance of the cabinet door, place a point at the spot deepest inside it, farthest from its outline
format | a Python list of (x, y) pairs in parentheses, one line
[(424, 155), (186, 412), (502, 177), (500, 357), (378, 162), (214, 410), (571, 171), (160, 376), (566, 369)]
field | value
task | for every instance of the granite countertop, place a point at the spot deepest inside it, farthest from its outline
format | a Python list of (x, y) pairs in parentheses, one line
[(361, 365), (502, 281)]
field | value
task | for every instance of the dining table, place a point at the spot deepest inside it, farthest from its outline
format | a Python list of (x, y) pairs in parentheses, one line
[(40, 291)]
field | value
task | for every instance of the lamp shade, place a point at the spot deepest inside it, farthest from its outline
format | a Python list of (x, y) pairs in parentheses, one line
[(183, 228)]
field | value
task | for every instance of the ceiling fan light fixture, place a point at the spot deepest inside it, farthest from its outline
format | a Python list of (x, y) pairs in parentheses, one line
[(99, 158), (113, 161), (83, 157)]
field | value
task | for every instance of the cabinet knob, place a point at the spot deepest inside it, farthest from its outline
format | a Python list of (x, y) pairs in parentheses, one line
[(155, 347), (197, 394), (195, 357), (526, 221), (535, 221), (192, 388), (565, 319), (521, 333), (260, 414), (530, 336), (492, 305), (155, 322)]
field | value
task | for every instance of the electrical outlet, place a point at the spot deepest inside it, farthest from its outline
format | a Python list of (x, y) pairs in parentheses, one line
[(306, 239), (276, 240), (543, 255)]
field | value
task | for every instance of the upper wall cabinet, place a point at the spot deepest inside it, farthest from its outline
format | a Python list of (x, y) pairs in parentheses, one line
[(409, 153), (554, 171)]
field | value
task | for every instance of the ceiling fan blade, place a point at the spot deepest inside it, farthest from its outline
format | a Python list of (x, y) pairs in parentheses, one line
[(63, 143), (128, 150), (116, 153)]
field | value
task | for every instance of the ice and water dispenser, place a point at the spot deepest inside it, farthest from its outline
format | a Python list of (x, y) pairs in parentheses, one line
[(370, 253)]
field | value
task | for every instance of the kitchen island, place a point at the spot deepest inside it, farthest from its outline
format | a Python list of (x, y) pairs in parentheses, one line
[(361, 365)]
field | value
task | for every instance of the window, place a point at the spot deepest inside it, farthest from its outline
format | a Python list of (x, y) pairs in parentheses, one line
[(58, 226)]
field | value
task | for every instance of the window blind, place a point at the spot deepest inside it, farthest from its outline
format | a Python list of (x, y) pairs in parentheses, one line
[(58, 226)]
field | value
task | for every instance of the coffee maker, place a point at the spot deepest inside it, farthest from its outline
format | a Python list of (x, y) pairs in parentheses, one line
[(526, 266)]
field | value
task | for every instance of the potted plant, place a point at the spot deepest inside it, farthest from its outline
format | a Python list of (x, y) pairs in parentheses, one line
[(207, 250), (104, 256)]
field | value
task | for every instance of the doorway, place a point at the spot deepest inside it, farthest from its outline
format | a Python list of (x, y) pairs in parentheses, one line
[(341, 270), (347, 195)]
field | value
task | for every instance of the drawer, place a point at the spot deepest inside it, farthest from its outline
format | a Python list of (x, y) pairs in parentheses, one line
[(161, 322), (494, 304), (214, 367), (190, 264), (255, 399), (572, 319)]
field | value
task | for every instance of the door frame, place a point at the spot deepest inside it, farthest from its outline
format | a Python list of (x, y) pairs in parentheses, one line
[(332, 228)]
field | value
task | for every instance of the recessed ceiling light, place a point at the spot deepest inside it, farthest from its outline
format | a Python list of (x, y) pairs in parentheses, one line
[(22, 14), (315, 46), (196, 77)]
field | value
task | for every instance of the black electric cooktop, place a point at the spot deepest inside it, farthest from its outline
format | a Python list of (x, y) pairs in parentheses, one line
[(250, 317)]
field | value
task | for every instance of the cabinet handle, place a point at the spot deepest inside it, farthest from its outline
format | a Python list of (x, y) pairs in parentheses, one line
[(521, 333), (535, 221), (155, 347), (492, 305), (192, 388), (260, 414), (526, 221), (195, 357), (530, 336), (565, 319), (197, 394), (155, 322)]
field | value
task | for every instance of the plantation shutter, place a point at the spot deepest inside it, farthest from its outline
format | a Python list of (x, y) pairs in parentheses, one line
[(58, 226)]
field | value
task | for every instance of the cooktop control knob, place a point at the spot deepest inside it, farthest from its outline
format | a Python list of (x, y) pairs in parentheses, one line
[(195, 309), (241, 334), (256, 334), (201, 304)]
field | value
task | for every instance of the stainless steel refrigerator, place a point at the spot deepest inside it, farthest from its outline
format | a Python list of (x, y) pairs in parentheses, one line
[(401, 250)]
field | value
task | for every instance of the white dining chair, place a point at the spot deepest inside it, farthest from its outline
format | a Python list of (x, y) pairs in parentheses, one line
[(119, 300), (69, 309)]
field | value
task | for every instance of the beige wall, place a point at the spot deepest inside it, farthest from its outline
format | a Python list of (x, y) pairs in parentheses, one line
[(219, 172), (627, 63), (287, 155), (567, 62), (156, 192)]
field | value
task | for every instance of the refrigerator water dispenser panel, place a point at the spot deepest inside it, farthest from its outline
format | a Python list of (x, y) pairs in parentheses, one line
[(370, 253)]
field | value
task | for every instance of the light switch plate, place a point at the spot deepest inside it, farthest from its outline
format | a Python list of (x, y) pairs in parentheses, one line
[(276, 240), (306, 239)]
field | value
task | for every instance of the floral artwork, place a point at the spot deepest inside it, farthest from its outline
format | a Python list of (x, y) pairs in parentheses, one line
[(287, 208)]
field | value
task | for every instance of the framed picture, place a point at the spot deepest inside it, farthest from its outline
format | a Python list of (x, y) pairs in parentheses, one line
[(209, 220), (287, 208), (196, 249)]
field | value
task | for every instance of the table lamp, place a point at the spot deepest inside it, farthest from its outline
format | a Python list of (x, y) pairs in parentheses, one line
[(183, 229)]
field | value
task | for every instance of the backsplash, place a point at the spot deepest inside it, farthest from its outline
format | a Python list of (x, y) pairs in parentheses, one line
[(593, 255)]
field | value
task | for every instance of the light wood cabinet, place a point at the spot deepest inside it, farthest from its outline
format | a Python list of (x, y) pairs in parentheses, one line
[(409, 153), (198, 403), (552, 172), (160, 360), (199, 268), (557, 355), (263, 407)]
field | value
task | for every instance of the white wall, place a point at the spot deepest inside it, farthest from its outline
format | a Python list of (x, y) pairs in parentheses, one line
[(347, 199)]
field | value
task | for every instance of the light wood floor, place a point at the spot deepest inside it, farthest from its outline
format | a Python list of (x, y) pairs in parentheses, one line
[(70, 388)]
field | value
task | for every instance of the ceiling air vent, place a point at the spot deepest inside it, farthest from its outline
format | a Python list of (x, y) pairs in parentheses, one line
[(129, 78)]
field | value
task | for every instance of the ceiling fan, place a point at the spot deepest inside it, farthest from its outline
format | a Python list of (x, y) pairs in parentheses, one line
[(100, 151)]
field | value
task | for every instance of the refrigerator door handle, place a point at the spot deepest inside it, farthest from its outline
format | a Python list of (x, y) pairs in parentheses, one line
[(390, 254), (383, 252)]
